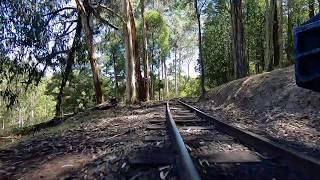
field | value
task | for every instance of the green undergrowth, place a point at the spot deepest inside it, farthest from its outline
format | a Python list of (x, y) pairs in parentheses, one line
[(17, 135)]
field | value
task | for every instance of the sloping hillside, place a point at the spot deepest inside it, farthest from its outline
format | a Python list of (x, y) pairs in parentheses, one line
[(272, 105)]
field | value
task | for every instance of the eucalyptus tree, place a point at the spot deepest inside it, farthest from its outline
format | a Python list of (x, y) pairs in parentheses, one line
[(37, 35), (146, 69), (68, 69), (158, 36), (34, 36), (131, 46), (238, 43), (198, 10), (113, 49), (290, 24), (183, 40), (87, 10), (218, 62), (254, 22)]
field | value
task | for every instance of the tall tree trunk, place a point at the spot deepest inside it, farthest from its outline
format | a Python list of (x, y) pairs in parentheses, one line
[(276, 44), (3, 118), (115, 69), (166, 85), (202, 88), (146, 69), (289, 48), (162, 79), (151, 90), (260, 55), (180, 67), (160, 82), (68, 70), (152, 83), (269, 48), (175, 72), (130, 44), (138, 76), (86, 18), (280, 32), (311, 8), (238, 47), (20, 117), (188, 75), (3, 124)]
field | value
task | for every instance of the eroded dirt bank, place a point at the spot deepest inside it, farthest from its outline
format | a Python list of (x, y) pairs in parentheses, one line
[(272, 105)]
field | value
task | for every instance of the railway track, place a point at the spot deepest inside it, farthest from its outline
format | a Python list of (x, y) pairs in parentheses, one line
[(201, 147)]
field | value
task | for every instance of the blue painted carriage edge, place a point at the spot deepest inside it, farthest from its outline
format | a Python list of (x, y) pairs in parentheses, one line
[(307, 54)]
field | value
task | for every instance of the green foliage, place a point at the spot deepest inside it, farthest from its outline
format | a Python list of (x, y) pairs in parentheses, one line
[(158, 31), (79, 91), (254, 22), (114, 60), (32, 107), (190, 87), (33, 37), (217, 46)]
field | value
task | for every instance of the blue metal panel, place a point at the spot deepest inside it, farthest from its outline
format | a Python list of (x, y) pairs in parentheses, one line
[(307, 54)]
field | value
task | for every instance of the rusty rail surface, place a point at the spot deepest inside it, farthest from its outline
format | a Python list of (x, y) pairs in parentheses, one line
[(304, 164), (185, 166)]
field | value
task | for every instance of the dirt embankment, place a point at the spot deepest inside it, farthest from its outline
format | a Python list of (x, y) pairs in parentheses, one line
[(272, 105)]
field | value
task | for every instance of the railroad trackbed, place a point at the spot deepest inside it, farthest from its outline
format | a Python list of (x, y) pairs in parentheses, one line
[(197, 146)]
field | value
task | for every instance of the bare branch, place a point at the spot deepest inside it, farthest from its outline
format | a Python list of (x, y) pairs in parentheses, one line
[(80, 6), (111, 10), (97, 15), (59, 10)]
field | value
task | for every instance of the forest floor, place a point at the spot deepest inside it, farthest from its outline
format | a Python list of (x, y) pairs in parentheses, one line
[(94, 144), (271, 105)]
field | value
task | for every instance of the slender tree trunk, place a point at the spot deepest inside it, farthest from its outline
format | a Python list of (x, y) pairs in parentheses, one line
[(138, 76), (180, 66), (151, 83), (175, 72), (238, 47), (276, 44), (166, 85), (226, 56), (3, 118), (152, 93), (86, 21), (146, 70), (289, 48), (131, 89), (115, 69), (188, 71), (3, 124), (280, 32), (68, 70), (159, 76), (269, 48), (311, 8), (162, 80), (202, 88), (20, 118), (231, 64), (260, 55)]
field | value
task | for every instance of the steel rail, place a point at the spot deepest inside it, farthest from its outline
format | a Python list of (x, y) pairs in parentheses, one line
[(186, 168), (304, 164)]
